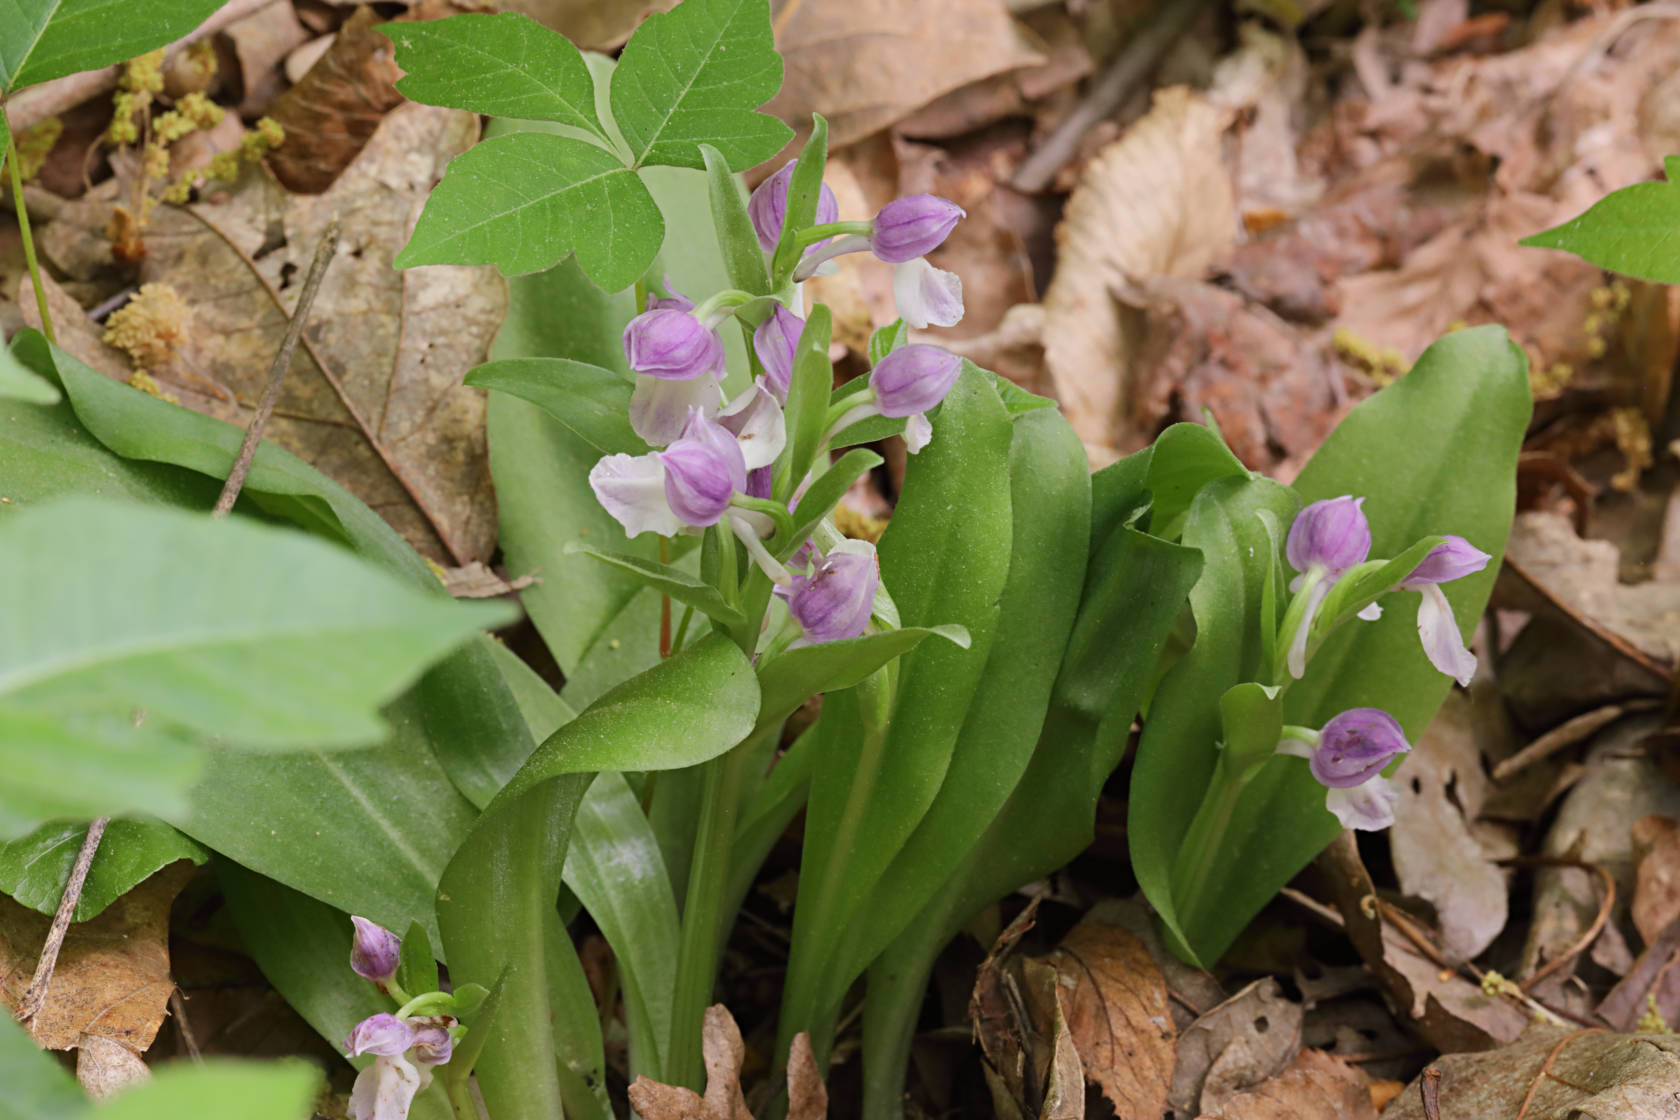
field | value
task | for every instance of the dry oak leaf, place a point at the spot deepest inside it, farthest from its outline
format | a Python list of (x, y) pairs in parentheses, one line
[(1032, 1064), (105, 1067), (837, 56), (1316, 1086), (112, 978), (260, 43), (1157, 202), (1115, 1003), (1656, 893), (720, 1042), (374, 396), (1590, 1075), (1244, 1041)]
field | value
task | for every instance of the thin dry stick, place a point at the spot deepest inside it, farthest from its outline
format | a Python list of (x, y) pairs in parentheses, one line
[(1569, 733), (1586, 939), (277, 371), (178, 1008), (1545, 1069), (1430, 1090), (36, 997), (1136, 59)]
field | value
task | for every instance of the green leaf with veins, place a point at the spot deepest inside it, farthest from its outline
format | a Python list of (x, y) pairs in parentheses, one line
[(505, 65), (1634, 231), (697, 74), (45, 39), (526, 201)]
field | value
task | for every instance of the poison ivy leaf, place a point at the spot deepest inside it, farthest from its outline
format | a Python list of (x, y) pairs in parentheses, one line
[(697, 74), (526, 201), (45, 39), (1635, 230), (594, 403), (34, 868), (505, 65), (16, 381)]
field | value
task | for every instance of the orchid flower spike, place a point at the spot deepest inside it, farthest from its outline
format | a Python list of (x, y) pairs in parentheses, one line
[(906, 383), (774, 342), (1325, 540), (386, 1089), (1347, 756), (836, 599), (678, 360), (375, 952), (913, 226), (1452, 559)]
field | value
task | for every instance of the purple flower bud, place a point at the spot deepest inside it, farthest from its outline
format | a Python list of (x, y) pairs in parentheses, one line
[(672, 345), (1452, 559), (913, 379), (1332, 534), (375, 952), (774, 342), (703, 471), (433, 1044), (383, 1034), (1355, 746), (768, 207), (760, 482), (913, 226), (834, 602)]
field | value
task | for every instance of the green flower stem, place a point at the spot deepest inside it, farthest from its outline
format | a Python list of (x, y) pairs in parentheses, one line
[(774, 510), (460, 1098), (15, 164), (721, 306), (708, 878), (1201, 843), (831, 229)]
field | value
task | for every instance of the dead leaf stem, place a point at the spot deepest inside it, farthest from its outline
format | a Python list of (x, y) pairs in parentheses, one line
[(1429, 1088), (36, 997), (1569, 733), (1586, 939), (277, 371), (1545, 1069), (1134, 62)]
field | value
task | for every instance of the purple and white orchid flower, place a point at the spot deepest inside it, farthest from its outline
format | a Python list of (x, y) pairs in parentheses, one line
[(404, 1053), (1452, 559), (1325, 539), (927, 296), (1347, 756), (906, 383), (835, 599)]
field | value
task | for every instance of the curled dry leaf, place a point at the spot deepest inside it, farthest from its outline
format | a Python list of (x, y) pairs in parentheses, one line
[(1155, 203), (1114, 1001), (1656, 894), (112, 979), (836, 54), (1575, 1075), (720, 1042), (1315, 1086), (331, 113), (260, 42), (1652, 983), (1234, 1047), (374, 396), (1031, 1063)]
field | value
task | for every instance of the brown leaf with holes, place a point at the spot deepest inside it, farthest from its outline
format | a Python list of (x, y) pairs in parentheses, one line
[(836, 55), (1115, 1003), (1231, 1048), (1316, 1086), (112, 978), (374, 396), (331, 114), (720, 1042)]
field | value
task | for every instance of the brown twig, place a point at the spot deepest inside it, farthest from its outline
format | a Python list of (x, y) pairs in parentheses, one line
[(1569, 733), (36, 997), (1430, 1090), (178, 1007), (1136, 59), (277, 372), (1585, 940), (1545, 1069)]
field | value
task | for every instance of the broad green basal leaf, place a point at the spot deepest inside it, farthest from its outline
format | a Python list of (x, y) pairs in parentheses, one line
[(16, 380), (45, 39), (1635, 230), (505, 65), (696, 75), (34, 868), (526, 201)]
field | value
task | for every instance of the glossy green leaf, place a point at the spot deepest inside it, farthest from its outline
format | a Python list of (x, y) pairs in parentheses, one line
[(478, 1021), (804, 193), (37, 1087), (526, 201), (504, 65), (675, 582), (593, 403), (34, 868), (946, 558), (417, 971), (884, 340), (45, 39), (273, 1090), (1251, 721), (1634, 231), (1050, 503), (695, 74), (1177, 752), (736, 240), (792, 678), (1183, 459), (17, 382)]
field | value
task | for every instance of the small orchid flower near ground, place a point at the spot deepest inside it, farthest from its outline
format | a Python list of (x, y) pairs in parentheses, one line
[(1437, 628), (906, 383), (1348, 756), (835, 600), (405, 1051), (767, 208), (677, 355), (375, 953), (901, 231), (774, 342), (1325, 540)]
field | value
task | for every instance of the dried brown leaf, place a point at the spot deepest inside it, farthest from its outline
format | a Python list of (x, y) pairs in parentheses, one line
[(1231, 1048), (261, 41), (807, 1095), (1656, 895), (1316, 1086), (1114, 1000), (720, 1043), (112, 979), (837, 54), (594, 25), (105, 1067), (330, 115), (1592, 1075), (374, 396), (1157, 202)]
